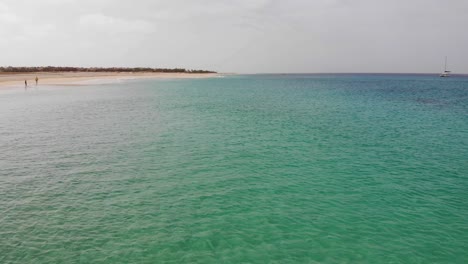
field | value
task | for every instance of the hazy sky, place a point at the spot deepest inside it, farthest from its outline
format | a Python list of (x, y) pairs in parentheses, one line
[(238, 35)]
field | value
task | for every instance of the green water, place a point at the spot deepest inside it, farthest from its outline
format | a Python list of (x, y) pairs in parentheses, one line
[(242, 169)]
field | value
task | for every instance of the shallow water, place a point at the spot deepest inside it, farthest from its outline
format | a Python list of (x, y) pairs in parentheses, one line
[(253, 169)]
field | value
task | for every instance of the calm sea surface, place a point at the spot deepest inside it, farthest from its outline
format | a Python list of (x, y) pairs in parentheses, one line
[(241, 169)]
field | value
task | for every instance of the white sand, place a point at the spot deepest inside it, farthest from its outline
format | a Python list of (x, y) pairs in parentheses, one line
[(82, 78)]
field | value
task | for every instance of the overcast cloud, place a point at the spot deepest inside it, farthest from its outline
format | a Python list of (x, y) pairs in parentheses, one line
[(238, 35)]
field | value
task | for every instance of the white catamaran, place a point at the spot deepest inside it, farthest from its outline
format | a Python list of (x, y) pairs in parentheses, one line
[(445, 73)]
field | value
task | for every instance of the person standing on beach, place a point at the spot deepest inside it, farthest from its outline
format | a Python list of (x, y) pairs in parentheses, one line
[(37, 79), (25, 84)]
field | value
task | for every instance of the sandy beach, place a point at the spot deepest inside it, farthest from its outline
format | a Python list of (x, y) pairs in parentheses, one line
[(81, 78)]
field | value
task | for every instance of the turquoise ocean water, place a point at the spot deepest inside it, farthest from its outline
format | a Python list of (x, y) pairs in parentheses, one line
[(241, 169)]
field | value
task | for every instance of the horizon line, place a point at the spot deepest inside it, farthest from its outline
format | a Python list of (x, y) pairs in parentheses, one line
[(285, 73)]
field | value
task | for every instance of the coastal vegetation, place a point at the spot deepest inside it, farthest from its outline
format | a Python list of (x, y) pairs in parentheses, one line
[(11, 69)]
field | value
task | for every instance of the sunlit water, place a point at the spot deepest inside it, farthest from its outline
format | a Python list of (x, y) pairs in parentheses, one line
[(242, 169)]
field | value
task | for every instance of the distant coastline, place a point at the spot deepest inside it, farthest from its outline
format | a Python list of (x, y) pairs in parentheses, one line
[(11, 69), (66, 76)]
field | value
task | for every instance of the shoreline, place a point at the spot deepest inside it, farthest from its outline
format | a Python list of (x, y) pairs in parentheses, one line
[(13, 80)]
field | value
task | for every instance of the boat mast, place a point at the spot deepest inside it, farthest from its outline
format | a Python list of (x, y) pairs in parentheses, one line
[(445, 69)]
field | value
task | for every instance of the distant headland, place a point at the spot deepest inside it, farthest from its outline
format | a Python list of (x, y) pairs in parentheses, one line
[(11, 69), (52, 75)]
